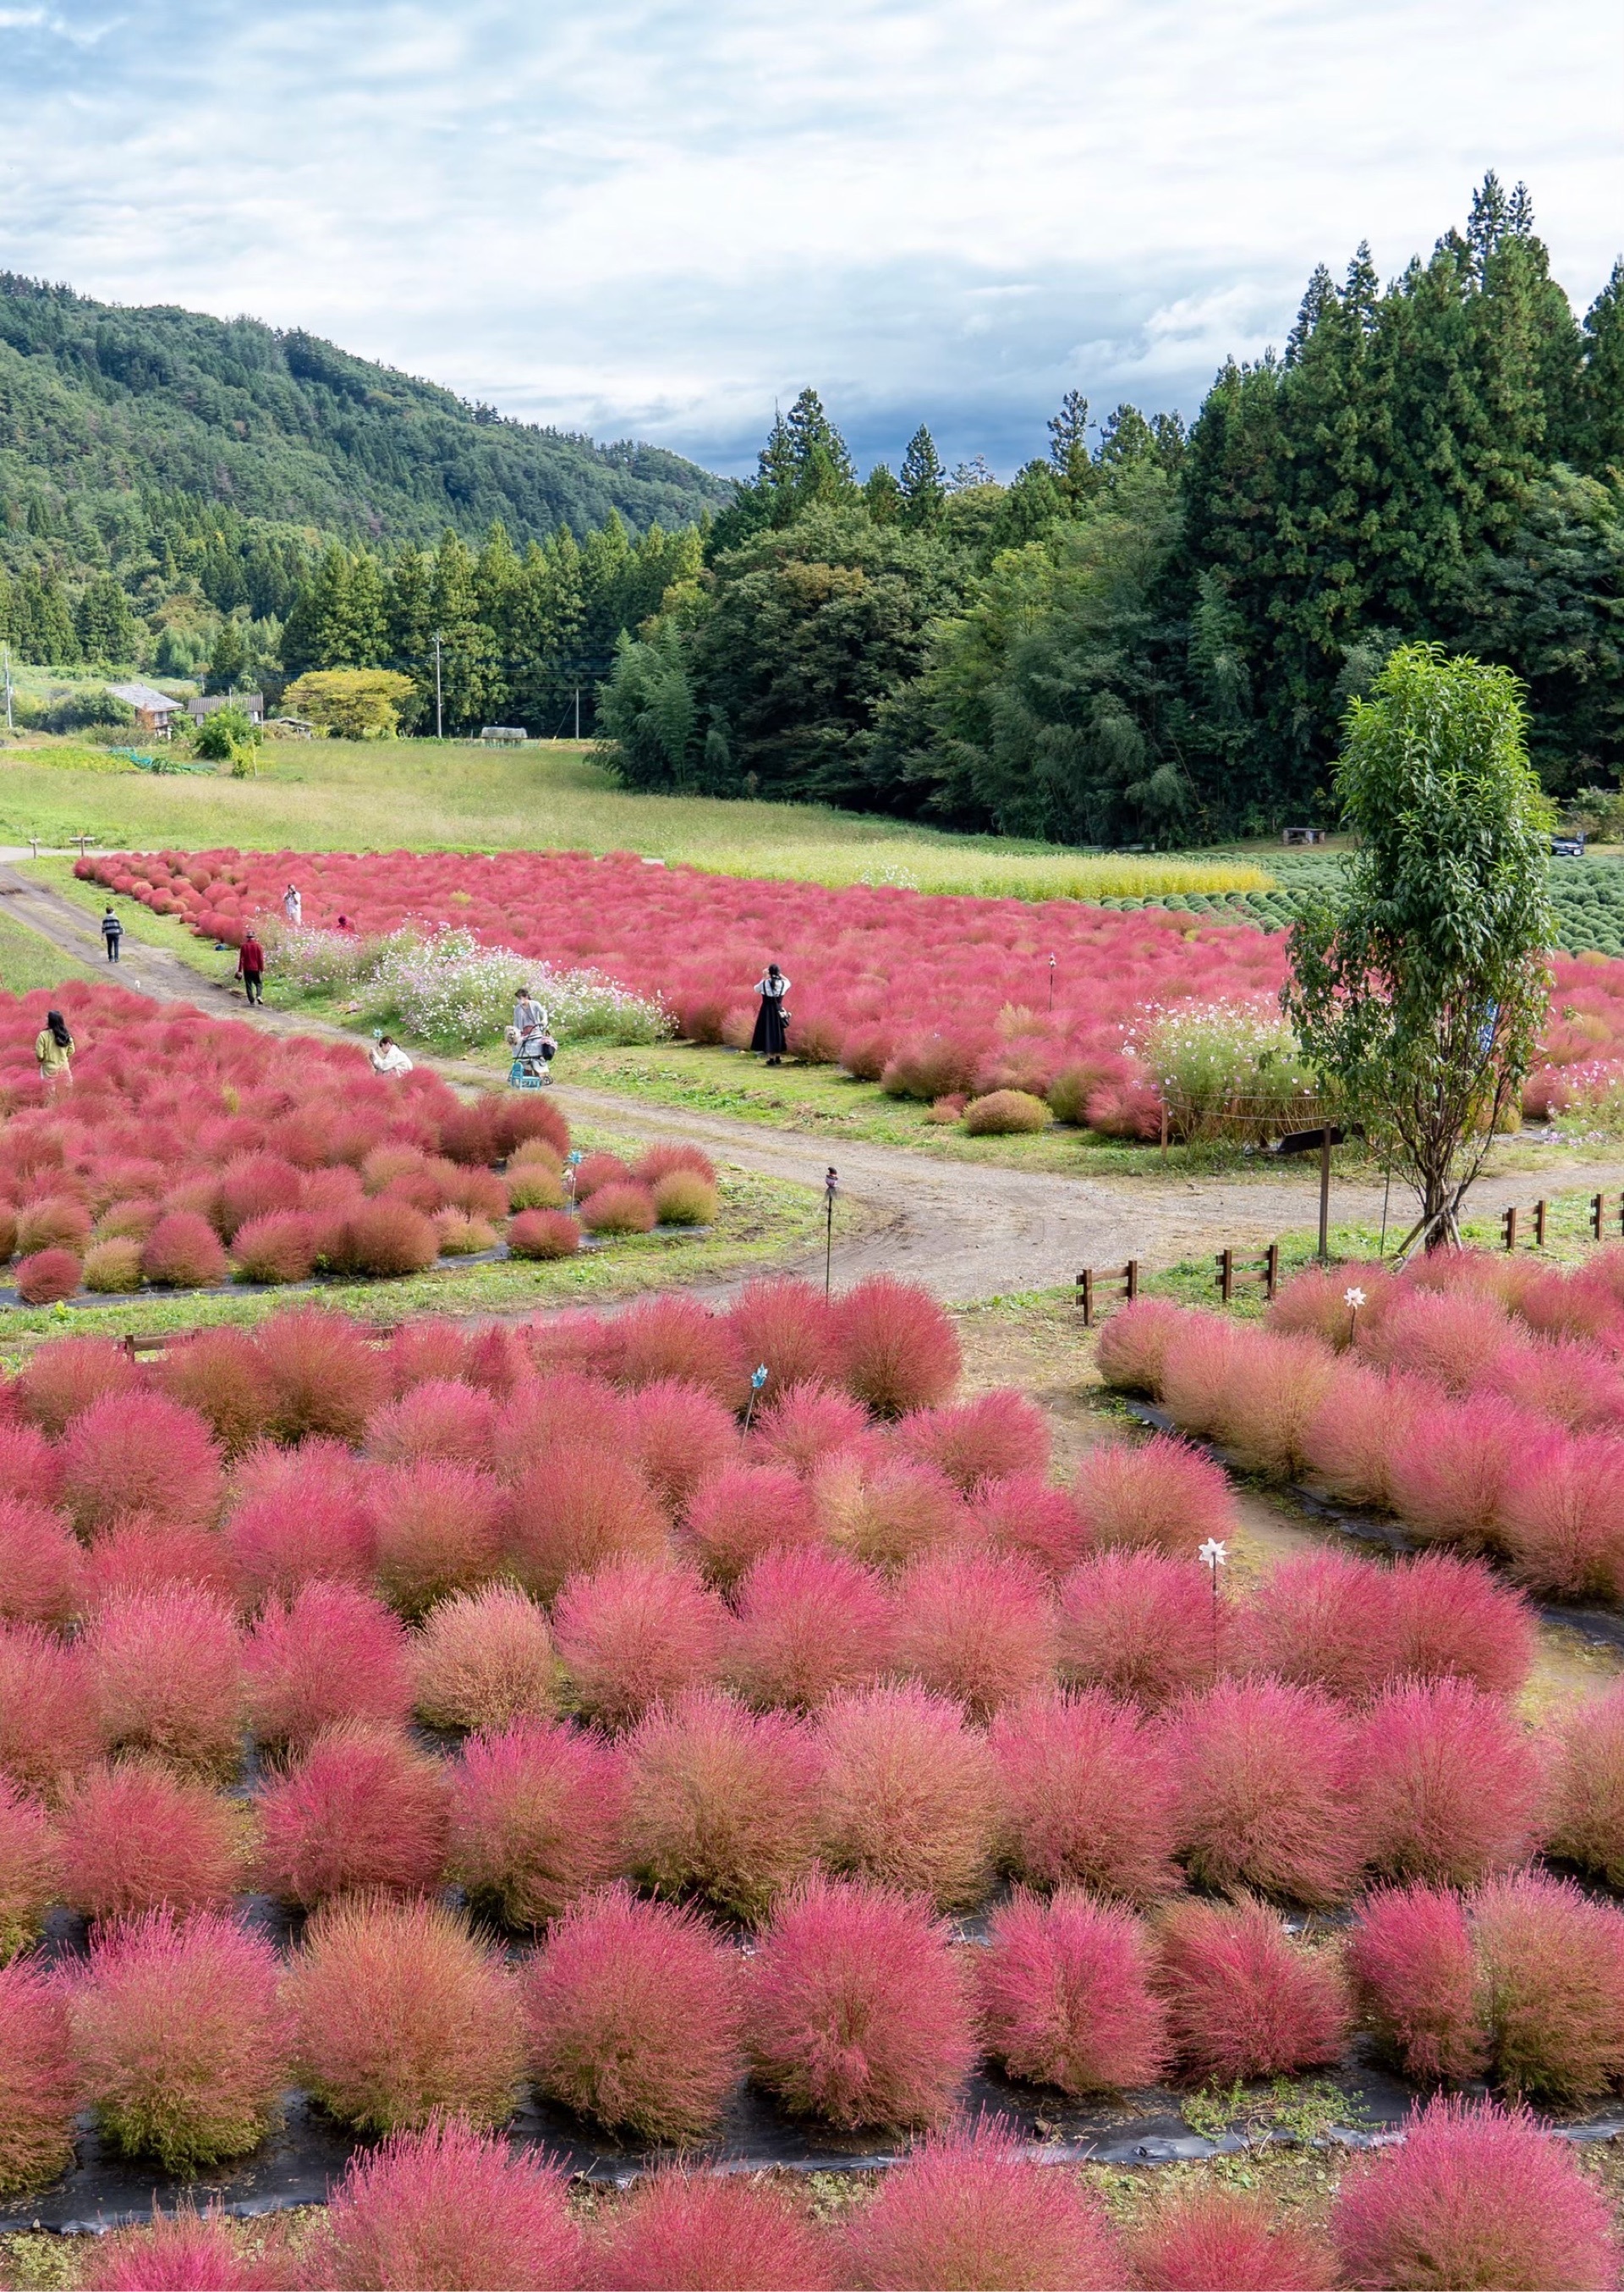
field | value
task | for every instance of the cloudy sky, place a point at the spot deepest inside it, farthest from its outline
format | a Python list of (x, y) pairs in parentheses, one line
[(651, 218)]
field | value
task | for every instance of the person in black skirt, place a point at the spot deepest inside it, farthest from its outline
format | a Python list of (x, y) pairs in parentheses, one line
[(771, 1034)]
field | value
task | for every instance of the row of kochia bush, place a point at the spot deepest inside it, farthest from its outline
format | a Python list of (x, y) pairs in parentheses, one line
[(1478, 1397), (1474, 2195), (189, 1151)]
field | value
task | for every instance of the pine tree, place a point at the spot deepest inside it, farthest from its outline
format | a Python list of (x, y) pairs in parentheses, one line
[(1075, 473), (228, 659), (471, 673), (366, 637), (1598, 444), (923, 491), (883, 495), (103, 623)]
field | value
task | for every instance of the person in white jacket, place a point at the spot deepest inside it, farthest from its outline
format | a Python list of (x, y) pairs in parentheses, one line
[(388, 1058)]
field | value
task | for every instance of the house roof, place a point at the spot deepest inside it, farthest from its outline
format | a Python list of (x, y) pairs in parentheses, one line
[(143, 696), (206, 703)]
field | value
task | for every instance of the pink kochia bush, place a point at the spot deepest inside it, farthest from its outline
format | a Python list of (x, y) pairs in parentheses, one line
[(579, 1508), (439, 1530), (1411, 1964), (634, 1634), (451, 2207), (332, 1653), (296, 1515), (857, 2011), (47, 1727), (1243, 1999), (138, 1452), (535, 1818), (42, 1568), (180, 2041), (135, 1836), (898, 1349), (1065, 1995), (400, 2016), (975, 1626), (1161, 1493), (1201, 2238), (1449, 1787), (1266, 1791), (722, 1801), (1086, 1796), (165, 1676), (741, 1513), (1142, 1628), (633, 2010), (30, 1868), (39, 2092), (711, 2232), (987, 1438), (807, 1623), (910, 1794), (967, 2207), (1585, 1822), (185, 2247), (1551, 1974), (484, 1658), (362, 1808), (1024, 1518), (1474, 2195)]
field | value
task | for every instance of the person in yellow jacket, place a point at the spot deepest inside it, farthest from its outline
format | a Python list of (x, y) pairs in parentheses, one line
[(54, 1048)]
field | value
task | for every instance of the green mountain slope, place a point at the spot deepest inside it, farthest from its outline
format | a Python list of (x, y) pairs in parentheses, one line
[(102, 406)]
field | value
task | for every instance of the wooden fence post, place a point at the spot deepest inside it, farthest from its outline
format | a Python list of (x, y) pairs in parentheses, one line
[(1539, 1225), (1085, 1282), (1271, 1270), (1132, 1272), (1509, 1226), (1599, 1208), (1226, 1274)]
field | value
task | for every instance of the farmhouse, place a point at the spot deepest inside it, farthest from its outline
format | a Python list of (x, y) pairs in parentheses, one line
[(154, 710), (251, 704)]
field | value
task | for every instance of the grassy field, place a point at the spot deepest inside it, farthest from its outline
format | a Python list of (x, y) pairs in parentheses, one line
[(425, 795), (27, 961)]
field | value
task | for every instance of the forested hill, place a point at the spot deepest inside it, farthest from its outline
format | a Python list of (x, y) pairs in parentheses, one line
[(100, 406)]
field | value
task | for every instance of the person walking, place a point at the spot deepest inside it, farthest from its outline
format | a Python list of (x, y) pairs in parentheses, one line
[(54, 1048), (112, 932), (293, 906), (771, 1034), (251, 967)]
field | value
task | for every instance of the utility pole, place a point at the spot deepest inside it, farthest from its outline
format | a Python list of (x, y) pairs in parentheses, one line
[(577, 712), (5, 655), (439, 713)]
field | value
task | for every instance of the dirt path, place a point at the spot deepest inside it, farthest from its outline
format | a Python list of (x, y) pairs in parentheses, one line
[(965, 1231)]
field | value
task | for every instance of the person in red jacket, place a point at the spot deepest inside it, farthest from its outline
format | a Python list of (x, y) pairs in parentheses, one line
[(250, 968)]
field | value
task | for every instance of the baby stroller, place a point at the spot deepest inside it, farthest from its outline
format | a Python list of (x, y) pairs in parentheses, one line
[(533, 1054)]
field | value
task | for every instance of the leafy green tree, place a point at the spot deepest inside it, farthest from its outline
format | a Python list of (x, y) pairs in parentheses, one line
[(1420, 991), (228, 735), (1598, 444), (470, 669), (349, 703), (882, 494), (227, 657), (105, 627), (646, 713), (923, 488)]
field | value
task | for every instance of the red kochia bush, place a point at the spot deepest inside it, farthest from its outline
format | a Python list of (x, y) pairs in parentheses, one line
[(217, 1373), (38, 2089), (721, 1801), (884, 1509), (898, 1349), (439, 1416), (967, 2207), (439, 1530), (636, 1634), (30, 1868), (67, 1375), (857, 2010), (1410, 1959), (142, 1555), (30, 1468), (165, 1676), (1451, 1466), (1362, 1422), (1323, 1620), (576, 1509), (185, 2247), (809, 1623), (1087, 1795), (277, 1249), (805, 1423), (402, 2017), (1551, 1969), (676, 1337), (535, 1818), (1560, 1512), (975, 1626), (1024, 1518), (1159, 1493), (910, 1794), (633, 2014), (323, 1377), (139, 1452), (790, 1330), (296, 1515), (1452, 1618), (678, 1435), (1133, 1343), (742, 1512), (361, 1809), (1201, 2238), (987, 1438), (332, 1654), (383, 1238), (48, 1277), (1268, 1401), (1474, 2195), (135, 1837), (1065, 1995), (1585, 1818), (544, 1234), (451, 2207), (711, 2232), (1265, 1791), (47, 1727), (42, 1572), (184, 1252), (484, 1659), (1450, 1786), (180, 2042), (1140, 1626), (1243, 1999), (620, 1207)]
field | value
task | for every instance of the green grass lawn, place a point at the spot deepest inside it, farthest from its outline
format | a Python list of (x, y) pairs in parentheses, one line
[(27, 961)]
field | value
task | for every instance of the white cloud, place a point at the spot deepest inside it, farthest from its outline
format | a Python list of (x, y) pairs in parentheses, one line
[(652, 218)]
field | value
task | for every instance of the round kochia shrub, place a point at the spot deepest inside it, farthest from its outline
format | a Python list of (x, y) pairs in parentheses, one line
[(30, 1870), (67, 1375), (968, 2208), (332, 1654), (401, 2015), (1006, 1114), (634, 1634), (633, 2014), (997, 1435), (1551, 1982), (439, 1530), (39, 2094), (791, 1329), (535, 1818), (183, 2247), (384, 1238), (146, 1555), (439, 1416), (856, 2009), (184, 1252), (1474, 2195), (1324, 1620), (683, 1198), (1243, 1999), (621, 1206), (451, 2207), (742, 1512), (576, 1511), (678, 1436), (323, 1377), (807, 1423), (217, 1373), (1411, 1962), (48, 1277), (910, 1794), (180, 2043), (1201, 2237), (711, 2232), (1133, 1344), (47, 1727), (1065, 1995), (885, 1510), (1158, 1492), (30, 1468), (898, 1349), (721, 1801), (1585, 1822), (277, 1248), (135, 1836), (1265, 1791), (139, 1452), (113, 1266), (807, 1623), (361, 1809), (298, 1515), (483, 1659), (165, 1676), (1141, 1627), (1024, 1518), (1560, 1512), (1452, 1618), (544, 1234), (1450, 1786), (975, 1626), (42, 1572), (1086, 1796)]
